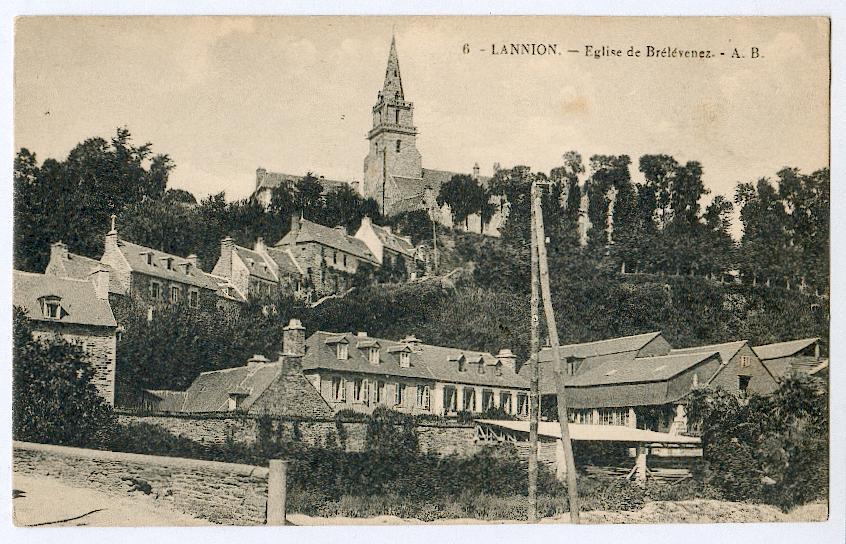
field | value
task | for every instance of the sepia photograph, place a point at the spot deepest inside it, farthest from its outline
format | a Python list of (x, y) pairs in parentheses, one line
[(407, 270)]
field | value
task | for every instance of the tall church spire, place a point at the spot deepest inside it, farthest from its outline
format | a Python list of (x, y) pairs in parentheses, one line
[(393, 82)]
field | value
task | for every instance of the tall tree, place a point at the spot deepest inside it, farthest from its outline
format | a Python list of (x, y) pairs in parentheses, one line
[(308, 196), (464, 196)]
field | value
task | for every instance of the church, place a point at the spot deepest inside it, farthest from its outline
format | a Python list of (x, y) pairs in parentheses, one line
[(394, 175)]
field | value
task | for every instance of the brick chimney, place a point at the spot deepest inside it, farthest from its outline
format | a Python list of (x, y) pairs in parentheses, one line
[(111, 237), (227, 247), (100, 278), (293, 343), (508, 359)]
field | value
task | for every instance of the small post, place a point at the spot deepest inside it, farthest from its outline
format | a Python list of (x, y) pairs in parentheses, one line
[(277, 492)]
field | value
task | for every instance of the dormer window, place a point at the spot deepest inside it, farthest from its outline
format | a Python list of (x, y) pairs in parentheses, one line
[(342, 351), (149, 259), (373, 355), (51, 307), (498, 368), (405, 359), (481, 368), (188, 269), (169, 263)]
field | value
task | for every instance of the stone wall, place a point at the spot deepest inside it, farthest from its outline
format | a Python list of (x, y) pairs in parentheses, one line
[(440, 439), (224, 493), (99, 345)]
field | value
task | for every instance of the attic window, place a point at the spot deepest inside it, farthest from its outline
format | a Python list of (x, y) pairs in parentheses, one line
[(342, 350), (169, 263), (373, 355), (188, 269), (481, 368), (405, 359), (149, 259), (462, 366), (51, 307), (498, 369), (745, 361)]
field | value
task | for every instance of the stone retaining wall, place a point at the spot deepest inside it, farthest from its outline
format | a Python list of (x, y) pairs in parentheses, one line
[(439, 438), (224, 493)]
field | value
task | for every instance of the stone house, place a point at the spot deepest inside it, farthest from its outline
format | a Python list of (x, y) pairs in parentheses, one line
[(782, 358), (389, 247), (267, 181), (154, 278), (328, 256), (261, 386), (610, 381), (261, 271), (358, 372), (76, 310)]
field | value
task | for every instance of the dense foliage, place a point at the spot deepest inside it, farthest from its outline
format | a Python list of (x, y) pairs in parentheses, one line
[(53, 398), (770, 449)]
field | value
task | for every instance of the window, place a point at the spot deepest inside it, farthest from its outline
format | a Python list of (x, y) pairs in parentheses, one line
[(51, 307), (193, 298), (398, 145), (357, 387), (498, 368), (423, 396), (522, 404), (343, 351), (487, 400), (405, 359), (339, 389), (188, 269), (462, 366), (450, 399), (365, 391), (743, 384), (334, 257), (345, 260), (373, 356), (169, 263), (745, 361), (175, 293), (469, 401), (380, 392), (614, 416), (481, 368), (396, 117), (505, 402), (399, 390), (571, 366), (155, 290)]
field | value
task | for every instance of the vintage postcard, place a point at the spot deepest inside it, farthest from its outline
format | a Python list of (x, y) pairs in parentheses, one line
[(412, 270)]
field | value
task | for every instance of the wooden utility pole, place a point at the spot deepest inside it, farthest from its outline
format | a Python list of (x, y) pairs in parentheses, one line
[(543, 271), (534, 404)]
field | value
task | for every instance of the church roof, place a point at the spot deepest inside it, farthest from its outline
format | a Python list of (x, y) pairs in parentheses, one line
[(393, 80)]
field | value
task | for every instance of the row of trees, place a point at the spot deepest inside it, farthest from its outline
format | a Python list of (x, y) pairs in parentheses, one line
[(72, 200), (658, 225)]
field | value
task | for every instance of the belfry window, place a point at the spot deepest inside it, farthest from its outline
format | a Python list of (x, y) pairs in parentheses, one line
[(396, 116), (398, 145)]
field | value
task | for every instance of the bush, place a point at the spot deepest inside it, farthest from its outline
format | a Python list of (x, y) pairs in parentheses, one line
[(391, 433), (53, 398)]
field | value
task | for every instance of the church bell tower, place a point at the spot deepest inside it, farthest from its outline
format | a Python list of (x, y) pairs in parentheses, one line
[(393, 139)]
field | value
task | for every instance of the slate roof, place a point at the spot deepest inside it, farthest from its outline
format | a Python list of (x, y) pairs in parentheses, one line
[(598, 348), (210, 391), (136, 256), (436, 178), (78, 299), (256, 263), (427, 361), (394, 242), (283, 257), (727, 350), (783, 349), (640, 370), (327, 236), (271, 180), (81, 267)]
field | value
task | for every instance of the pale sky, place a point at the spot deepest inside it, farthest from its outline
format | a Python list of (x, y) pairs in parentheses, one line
[(223, 96)]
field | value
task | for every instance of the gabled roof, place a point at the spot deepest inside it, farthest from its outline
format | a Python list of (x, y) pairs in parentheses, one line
[(78, 299), (256, 264), (426, 362), (284, 259), (136, 256), (783, 349), (727, 350), (309, 231), (270, 180), (226, 289), (623, 344), (394, 242), (81, 267), (210, 391), (640, 370)]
